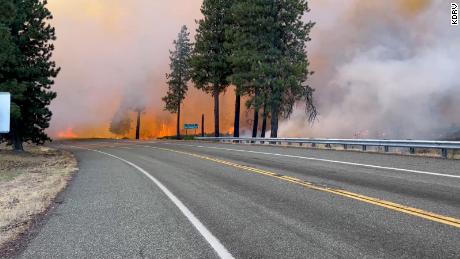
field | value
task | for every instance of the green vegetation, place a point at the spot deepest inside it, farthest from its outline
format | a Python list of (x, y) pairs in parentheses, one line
[(286, 67), (259, 46), (210, 64), (179, 76), (26, 68)]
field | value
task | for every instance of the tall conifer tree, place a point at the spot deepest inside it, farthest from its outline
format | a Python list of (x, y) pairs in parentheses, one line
[(30, 73), (179, 76), (268, 57), (289, 65), (250, 45), (210, 65)]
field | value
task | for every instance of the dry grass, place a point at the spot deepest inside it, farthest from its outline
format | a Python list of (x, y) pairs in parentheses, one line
[(29, 182)]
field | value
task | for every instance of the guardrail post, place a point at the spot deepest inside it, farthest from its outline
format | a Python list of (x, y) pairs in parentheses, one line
[(444, 153), (412, 146)]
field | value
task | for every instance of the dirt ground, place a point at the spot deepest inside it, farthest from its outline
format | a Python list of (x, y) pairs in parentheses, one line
[(29, 182)]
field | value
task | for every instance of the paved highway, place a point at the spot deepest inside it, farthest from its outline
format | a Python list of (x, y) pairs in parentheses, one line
[(158, 199)]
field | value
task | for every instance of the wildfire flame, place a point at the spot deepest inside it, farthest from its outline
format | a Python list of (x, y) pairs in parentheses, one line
[(67, 134)]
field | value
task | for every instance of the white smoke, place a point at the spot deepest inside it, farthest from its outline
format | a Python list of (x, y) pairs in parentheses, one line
[(383, 72)]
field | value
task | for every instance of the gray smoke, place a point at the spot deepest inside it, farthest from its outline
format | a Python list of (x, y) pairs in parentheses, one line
[(133, 101), (384, 69)]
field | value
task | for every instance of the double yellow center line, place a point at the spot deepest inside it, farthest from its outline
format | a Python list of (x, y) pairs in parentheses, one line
[(378, 202)]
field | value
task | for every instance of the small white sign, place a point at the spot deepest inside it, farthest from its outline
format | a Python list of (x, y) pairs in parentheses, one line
[(454, 14), (5, 104)]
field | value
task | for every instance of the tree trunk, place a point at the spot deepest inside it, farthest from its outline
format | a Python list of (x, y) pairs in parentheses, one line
[(274, 122), (264, 121), (202, 125), (178, 123), (255, 123), (216, 112), (236, 124), (17, 145), (16, 139), (138, 125)]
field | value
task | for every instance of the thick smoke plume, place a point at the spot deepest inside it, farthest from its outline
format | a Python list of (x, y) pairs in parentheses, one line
[(133, 101), (114, 55), (385, 69)]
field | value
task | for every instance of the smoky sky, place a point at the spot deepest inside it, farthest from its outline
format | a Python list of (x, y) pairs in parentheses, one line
[(111, 52), (382, 68), (386, 69)]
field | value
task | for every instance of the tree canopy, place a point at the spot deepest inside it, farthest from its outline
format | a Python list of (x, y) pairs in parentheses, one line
[(180, 71), (28, 70), (268, 55), (210, 65), (179, 75)]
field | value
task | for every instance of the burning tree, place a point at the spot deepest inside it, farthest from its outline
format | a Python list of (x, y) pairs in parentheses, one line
[(27, 70), (179, 76), (210, 64), (121, 121)]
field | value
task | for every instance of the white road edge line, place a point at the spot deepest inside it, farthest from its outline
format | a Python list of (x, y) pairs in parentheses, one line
[(322, 160), (210, 238)]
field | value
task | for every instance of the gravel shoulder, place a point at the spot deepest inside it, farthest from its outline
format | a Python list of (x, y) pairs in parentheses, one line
[(29, 183)]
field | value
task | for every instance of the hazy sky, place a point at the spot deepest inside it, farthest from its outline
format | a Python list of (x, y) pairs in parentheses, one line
[(383, 68)]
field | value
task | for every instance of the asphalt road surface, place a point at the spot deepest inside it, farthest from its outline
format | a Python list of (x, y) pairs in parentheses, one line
[(161, 199)]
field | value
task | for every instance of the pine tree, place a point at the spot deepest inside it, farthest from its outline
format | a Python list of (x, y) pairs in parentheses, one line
[(268, 57), (7, 13), (239, 34), (8, 59), (265, 114), (179, 76), (249, 47), (210, 65), (287, 68), (30, 78)]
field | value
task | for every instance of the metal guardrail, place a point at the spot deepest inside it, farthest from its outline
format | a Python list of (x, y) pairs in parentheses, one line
[(444, 146)]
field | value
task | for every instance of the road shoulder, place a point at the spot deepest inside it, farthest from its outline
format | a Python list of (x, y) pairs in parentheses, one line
[(111, 210), (30, 186)]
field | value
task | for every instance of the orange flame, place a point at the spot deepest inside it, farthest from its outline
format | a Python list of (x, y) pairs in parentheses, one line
[(156, 123), (67, 134)]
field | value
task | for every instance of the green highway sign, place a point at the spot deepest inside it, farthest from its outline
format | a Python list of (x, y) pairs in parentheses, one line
[(188, 126)]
